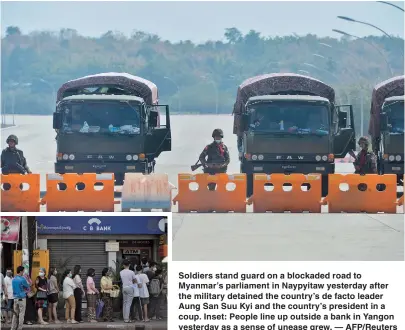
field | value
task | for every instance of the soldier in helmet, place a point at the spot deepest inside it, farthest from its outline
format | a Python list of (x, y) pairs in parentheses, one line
[(365, 162), (12, 159), (215, 156)]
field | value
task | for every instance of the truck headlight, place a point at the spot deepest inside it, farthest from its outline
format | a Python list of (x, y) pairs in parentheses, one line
[(135, 157), (391, 158), (260, 157), (129, 157), (324, 158), (71, 157), (398, 158), (318, 158), (254, 157), (65, 156)]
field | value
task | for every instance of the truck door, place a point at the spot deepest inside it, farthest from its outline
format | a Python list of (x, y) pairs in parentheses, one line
[(344, 138), (158, 137)]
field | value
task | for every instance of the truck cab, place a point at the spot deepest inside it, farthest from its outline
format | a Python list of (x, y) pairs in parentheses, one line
[(391, 153), (108, 133), (293, 132)]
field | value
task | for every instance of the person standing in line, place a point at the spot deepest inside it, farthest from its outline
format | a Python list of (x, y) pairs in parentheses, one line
[(155, 292), (136, 310), (30, 316), (78, 292), (128, 279), (106, 287), (20, 285), (8, 287), (53, 296), (41, 284), (92, 294), (68, 294), (143, 292)]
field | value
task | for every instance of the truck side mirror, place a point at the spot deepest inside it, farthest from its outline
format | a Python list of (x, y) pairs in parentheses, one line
[(153, 118), (383, 122), (57, 120), (342, 117)]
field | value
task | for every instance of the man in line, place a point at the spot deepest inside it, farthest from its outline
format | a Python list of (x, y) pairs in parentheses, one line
[(20, 284), (128, 279), (10, 298)]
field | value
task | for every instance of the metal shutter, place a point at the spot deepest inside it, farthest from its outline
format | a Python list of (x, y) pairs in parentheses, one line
[(87, 253)]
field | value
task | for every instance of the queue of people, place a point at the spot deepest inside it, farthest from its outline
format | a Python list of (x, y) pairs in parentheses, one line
[(144, 289)]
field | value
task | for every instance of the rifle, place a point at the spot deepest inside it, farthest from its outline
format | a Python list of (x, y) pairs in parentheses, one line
[(196, 166)]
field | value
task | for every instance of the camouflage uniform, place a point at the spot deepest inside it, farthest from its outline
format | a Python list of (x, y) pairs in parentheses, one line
[(13, 160), (365, 162), (215, 153)]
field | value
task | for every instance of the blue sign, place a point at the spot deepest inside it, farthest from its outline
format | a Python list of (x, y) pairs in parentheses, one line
[(96, 225)]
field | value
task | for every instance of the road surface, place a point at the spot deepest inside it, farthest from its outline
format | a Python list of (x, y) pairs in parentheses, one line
[(239, 236)]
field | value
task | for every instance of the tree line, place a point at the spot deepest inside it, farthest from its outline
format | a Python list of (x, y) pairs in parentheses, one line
[(192, 78)]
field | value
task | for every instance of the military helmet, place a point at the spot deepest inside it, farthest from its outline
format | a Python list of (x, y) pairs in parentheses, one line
[(364, 139), (218, 132), (12, 137)]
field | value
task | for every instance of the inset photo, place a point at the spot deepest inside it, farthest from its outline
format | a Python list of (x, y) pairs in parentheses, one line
[(91, 271)]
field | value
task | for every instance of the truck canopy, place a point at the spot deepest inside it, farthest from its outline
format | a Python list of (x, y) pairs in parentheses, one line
[(382, 91), (111, 83), (278, 83)]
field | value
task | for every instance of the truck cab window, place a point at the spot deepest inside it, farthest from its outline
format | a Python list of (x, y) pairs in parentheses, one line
[(396, 117)]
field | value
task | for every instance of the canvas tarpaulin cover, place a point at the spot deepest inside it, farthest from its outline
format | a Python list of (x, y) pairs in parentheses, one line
[(385, 89), (132, 85), (278, 83)]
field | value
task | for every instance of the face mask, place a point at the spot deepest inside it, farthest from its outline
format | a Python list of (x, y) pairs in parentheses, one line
[(9, 274), (26, 271), (218, 141), (55, 272), (154, 269), (41, 274), (93, 274), (70, 275)]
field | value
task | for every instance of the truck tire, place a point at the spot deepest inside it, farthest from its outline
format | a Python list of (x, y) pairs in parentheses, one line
[(325, 185), (119, 178), (249, 185)]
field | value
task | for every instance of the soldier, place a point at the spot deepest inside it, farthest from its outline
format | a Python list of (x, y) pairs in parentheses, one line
[(365, 161), (215, 156), (12, 159)]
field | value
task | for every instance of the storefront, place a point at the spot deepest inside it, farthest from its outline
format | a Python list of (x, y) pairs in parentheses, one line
[(99, 242)]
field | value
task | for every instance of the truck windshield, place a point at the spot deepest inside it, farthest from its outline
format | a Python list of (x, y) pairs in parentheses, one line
[(291, 117), (396, 117), (102, 117)]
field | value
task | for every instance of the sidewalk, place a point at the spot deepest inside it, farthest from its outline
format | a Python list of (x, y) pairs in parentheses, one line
[(152, 325)]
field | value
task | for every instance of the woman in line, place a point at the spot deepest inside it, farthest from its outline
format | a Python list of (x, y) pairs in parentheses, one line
[(53, 294), (106, 287), (92, 293), (41, 284), (79, 292), (143, 292), (29, 317), (68, 294)]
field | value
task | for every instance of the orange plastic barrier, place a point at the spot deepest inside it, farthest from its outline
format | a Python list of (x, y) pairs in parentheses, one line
[(20, 193), (201, 199), (354, 193), (269, 194), (79, 192)]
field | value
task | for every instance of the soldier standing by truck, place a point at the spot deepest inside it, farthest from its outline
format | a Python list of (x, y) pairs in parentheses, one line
[(215, 156), (365, 162), (12, 159)]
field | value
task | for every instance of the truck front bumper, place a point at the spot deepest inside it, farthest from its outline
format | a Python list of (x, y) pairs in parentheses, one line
[(393, 168), (268, 168), (73, 167)]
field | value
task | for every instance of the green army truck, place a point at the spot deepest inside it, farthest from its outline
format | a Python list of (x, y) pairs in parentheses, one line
[(386, 126), (109, 123), (289, 123)]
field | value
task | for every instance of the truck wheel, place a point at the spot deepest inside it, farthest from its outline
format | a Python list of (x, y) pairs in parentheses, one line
[(249, 185), (325, 185), (119, 179)]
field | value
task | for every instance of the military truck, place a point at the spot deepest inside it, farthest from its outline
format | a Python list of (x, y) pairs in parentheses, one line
[(386, 126), (109, 123), (289, 123)]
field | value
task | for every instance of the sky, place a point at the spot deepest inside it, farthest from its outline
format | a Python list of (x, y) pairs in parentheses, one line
[(202, 21)]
